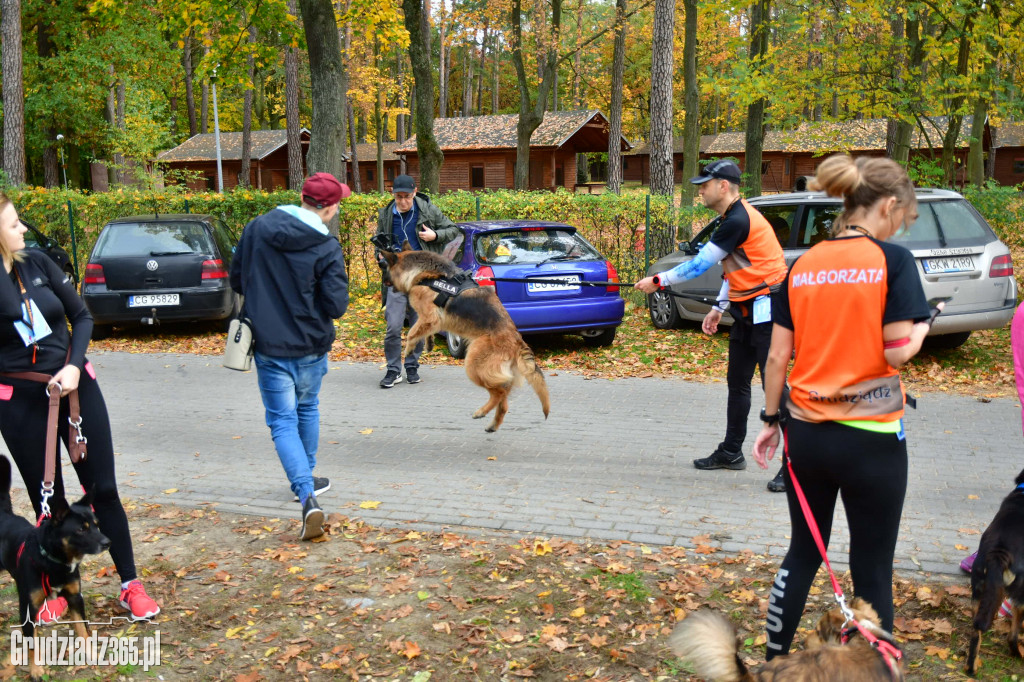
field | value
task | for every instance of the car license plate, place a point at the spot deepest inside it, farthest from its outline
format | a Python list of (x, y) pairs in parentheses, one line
[(951, 264), (566, 283), (152, 300)]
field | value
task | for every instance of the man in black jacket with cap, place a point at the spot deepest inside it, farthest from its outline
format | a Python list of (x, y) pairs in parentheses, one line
[(292, 274)]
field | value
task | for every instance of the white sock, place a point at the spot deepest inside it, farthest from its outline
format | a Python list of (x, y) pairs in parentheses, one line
[(124, 586)]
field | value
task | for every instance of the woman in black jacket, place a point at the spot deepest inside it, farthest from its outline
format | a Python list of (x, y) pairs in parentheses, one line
[(37, 302)]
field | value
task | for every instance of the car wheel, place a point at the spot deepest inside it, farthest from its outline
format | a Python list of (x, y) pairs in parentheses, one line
[(598, 337), (947, 341), (236, 307), (664, 313), (101, 331), (457, 345)]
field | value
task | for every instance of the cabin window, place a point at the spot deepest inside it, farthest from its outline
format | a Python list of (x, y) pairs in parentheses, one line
[(1018, 165), (764, 167), (476, 177)]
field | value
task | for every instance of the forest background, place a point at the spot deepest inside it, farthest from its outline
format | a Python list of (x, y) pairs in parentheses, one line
[(110, 80)]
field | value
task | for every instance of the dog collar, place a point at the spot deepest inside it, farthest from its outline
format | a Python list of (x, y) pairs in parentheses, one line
[(46, 555)]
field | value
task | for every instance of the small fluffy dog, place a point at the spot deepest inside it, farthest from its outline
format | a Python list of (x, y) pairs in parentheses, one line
[(44, 560), (708, 641), (497, 359), (998, 573)]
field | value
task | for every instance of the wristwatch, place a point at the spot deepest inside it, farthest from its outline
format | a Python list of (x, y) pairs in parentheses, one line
[(771, 418)]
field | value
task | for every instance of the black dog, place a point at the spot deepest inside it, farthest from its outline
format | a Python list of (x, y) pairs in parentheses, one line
[(44, 560), (998, 573)]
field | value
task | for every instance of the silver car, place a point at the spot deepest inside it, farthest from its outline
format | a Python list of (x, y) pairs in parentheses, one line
[(957, 254)]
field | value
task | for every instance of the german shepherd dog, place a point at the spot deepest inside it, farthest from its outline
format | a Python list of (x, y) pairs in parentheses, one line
[(998, 573), (44, 559), (497, 359), (708, 641)]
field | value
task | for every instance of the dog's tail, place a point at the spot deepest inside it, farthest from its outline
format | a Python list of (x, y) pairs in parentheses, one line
[(527, 366), (707, 640), (5, 485)]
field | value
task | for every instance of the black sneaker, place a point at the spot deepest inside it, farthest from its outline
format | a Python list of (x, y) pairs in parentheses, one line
[(412, 376), (777, 484), (312, 519), (720, 459), (320, 486), (390, 379)]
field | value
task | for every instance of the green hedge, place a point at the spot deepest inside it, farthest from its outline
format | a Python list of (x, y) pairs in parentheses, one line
[(614, 224)]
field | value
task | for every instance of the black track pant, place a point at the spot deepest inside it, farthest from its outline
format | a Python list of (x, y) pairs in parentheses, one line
[(23, 425), (869, 471)]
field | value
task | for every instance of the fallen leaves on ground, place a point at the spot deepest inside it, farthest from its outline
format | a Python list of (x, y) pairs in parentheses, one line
[(243, 600)]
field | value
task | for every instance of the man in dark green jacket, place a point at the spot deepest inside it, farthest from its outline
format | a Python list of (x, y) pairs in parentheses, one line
[(409, 218)]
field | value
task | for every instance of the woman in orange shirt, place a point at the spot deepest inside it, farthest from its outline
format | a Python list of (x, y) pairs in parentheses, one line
[(853, 310)]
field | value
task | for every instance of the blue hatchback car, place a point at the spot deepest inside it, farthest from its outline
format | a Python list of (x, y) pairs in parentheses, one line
[(539, 252)]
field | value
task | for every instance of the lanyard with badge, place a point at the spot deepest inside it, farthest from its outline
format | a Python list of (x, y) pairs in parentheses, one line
[(32, 326)]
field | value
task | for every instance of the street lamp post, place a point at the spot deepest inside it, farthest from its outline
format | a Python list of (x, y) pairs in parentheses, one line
[(63, 165), (216, 133)]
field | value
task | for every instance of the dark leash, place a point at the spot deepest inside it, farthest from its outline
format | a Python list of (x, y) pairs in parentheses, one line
[(76, 443), (569, 282)]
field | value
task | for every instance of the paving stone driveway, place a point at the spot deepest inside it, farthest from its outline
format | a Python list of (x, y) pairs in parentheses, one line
[(612, 462)]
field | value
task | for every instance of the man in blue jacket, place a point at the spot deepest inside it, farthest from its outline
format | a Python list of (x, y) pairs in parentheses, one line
[(292, 274)]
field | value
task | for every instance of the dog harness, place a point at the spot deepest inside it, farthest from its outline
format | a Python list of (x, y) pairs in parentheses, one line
[(449, 287)]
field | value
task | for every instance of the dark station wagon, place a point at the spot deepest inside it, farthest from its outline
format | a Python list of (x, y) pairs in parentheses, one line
[(153, 268)]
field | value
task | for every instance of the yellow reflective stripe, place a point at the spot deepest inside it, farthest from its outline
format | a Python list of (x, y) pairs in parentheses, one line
[(873, 426)]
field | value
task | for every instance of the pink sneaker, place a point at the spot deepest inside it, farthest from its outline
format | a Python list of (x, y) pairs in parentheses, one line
[(140, 604), (51, 611), (968, 563)]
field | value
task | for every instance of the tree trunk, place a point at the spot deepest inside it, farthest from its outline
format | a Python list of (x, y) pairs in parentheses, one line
[(291, 111), (531, 113), (467, 81), (691, 102), (427, 149), (354, 154), (442, 79), (483, 68), (615, 111), (494, 78), (204, 102), (755, 112), (327, 143), (44, 48), (662, 70), (190, 97), (245, 169), (956, 116), (13, 91)]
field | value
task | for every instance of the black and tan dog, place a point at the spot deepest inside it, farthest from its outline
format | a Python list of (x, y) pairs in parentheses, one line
[(998, 573), (44, 560), (708, 641), (497, 359)]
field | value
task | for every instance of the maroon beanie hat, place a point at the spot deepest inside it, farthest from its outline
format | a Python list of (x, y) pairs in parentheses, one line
[(323, 189)]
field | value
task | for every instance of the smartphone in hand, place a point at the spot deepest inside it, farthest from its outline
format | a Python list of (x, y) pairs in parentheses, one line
[(933, 304)]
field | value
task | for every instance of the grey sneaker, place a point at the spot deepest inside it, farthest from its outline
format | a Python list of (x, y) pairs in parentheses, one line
[(312, 519), (720, 459), (412, 375), (321, 485), (390, 379)]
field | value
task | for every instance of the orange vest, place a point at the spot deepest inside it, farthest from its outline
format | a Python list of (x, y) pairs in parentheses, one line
[(837, 293), (757, 263)]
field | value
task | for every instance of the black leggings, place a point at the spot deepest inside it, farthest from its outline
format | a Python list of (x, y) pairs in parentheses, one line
[(23, 425), (869, 471)]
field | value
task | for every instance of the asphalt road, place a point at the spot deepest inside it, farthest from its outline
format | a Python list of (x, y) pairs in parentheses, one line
[(613, 461)]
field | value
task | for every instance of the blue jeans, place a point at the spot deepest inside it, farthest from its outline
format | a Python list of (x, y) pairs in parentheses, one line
[(290, 388)]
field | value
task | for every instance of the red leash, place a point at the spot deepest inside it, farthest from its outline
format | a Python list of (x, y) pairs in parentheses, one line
[(890, 653)]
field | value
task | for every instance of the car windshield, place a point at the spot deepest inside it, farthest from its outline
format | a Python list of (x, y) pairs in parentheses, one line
[(945, 224), (532, 247), (153, 239)]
